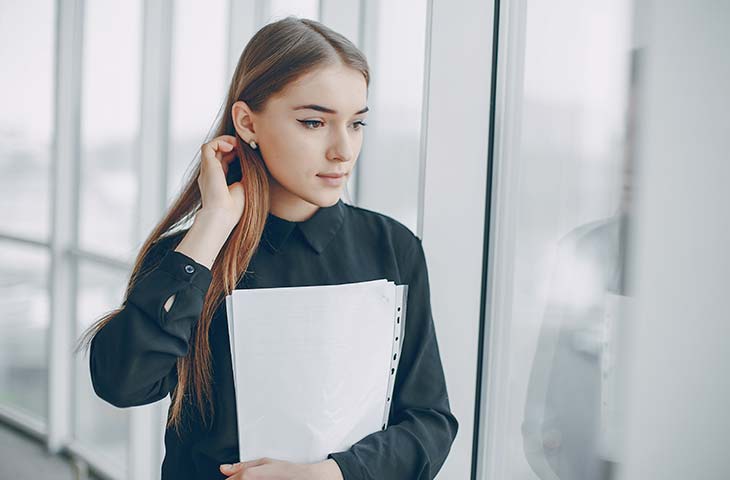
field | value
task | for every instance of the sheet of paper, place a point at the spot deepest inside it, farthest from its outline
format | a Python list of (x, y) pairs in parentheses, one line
[(312, 366)]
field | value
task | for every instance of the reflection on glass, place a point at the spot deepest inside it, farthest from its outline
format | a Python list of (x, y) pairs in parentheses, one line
[(109, 125), (26, 116), (199, 38), (568, 247), (24, 310), (570, 392), (98, 424), (573, 419)]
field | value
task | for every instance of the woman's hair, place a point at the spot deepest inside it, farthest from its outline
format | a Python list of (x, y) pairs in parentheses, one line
[(278, 54)]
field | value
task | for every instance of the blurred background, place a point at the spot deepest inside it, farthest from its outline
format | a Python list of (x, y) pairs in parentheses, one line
[(565, 163)]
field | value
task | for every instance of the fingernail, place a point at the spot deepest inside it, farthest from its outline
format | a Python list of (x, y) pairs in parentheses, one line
[(226, 466)]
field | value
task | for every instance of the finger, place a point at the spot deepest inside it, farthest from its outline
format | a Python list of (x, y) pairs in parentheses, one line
[(210, 159), (224, 153), (256, 463), (228, 138), (227, 158), (225, 146), (217, 149), (229, 469), (208, 150)]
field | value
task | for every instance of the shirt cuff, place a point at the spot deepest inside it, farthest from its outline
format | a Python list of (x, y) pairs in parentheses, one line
[(349, 465), (184, 268)]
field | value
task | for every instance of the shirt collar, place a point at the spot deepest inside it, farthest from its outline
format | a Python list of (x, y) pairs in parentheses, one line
[(318, 230)]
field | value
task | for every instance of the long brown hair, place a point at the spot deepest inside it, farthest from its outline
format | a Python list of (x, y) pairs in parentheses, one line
[(278, 54)]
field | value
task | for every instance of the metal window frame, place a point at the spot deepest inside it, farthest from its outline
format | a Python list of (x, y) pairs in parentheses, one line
[(460, 309), (494, 377), (64, 217)]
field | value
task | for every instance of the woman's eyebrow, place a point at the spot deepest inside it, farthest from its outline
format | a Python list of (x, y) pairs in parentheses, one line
[(320, 108)]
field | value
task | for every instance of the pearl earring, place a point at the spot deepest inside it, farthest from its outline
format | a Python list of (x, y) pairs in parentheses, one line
[(253, 144)]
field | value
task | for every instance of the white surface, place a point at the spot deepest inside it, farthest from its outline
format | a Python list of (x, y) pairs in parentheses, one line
[(678, 393), (312, 366)]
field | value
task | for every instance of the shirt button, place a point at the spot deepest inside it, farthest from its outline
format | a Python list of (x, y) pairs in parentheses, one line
[(189, 268)]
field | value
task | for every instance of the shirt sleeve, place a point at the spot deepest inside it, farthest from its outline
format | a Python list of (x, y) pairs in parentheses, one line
[(422, 428), (133, 357)]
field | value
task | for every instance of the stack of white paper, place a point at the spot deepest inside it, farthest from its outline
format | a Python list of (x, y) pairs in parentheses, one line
[(314, 366)]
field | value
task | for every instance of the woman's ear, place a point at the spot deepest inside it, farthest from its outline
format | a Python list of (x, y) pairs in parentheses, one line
[(243, 121)]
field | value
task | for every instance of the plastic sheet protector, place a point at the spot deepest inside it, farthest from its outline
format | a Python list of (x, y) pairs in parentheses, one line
[(314, 366)]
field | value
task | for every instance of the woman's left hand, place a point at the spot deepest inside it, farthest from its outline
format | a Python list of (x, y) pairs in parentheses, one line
[(267, 469)]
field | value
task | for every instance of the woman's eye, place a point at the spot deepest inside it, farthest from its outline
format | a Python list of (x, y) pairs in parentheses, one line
[(315, 124), (310, 123)]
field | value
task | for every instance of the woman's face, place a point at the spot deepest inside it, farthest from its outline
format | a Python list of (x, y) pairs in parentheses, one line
[(310, 129)]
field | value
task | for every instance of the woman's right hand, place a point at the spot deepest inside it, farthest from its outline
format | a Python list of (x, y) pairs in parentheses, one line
[(217, 196)]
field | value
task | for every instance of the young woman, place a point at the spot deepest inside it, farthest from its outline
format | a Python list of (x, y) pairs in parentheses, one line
[(265, 211)]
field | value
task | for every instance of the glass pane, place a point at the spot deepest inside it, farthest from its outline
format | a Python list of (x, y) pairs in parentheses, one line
[(98, 424), (109, 125), (389, 162), (26, 116), (196, 93), (566, 248), (299, 8), (24, 321)]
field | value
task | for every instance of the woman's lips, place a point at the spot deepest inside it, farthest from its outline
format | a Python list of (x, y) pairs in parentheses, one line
[(333, 180)]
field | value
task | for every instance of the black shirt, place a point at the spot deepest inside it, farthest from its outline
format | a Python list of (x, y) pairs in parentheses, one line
[(132, 359)]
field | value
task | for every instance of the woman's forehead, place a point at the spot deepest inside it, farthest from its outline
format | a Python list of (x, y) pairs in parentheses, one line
[(339, 89)]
